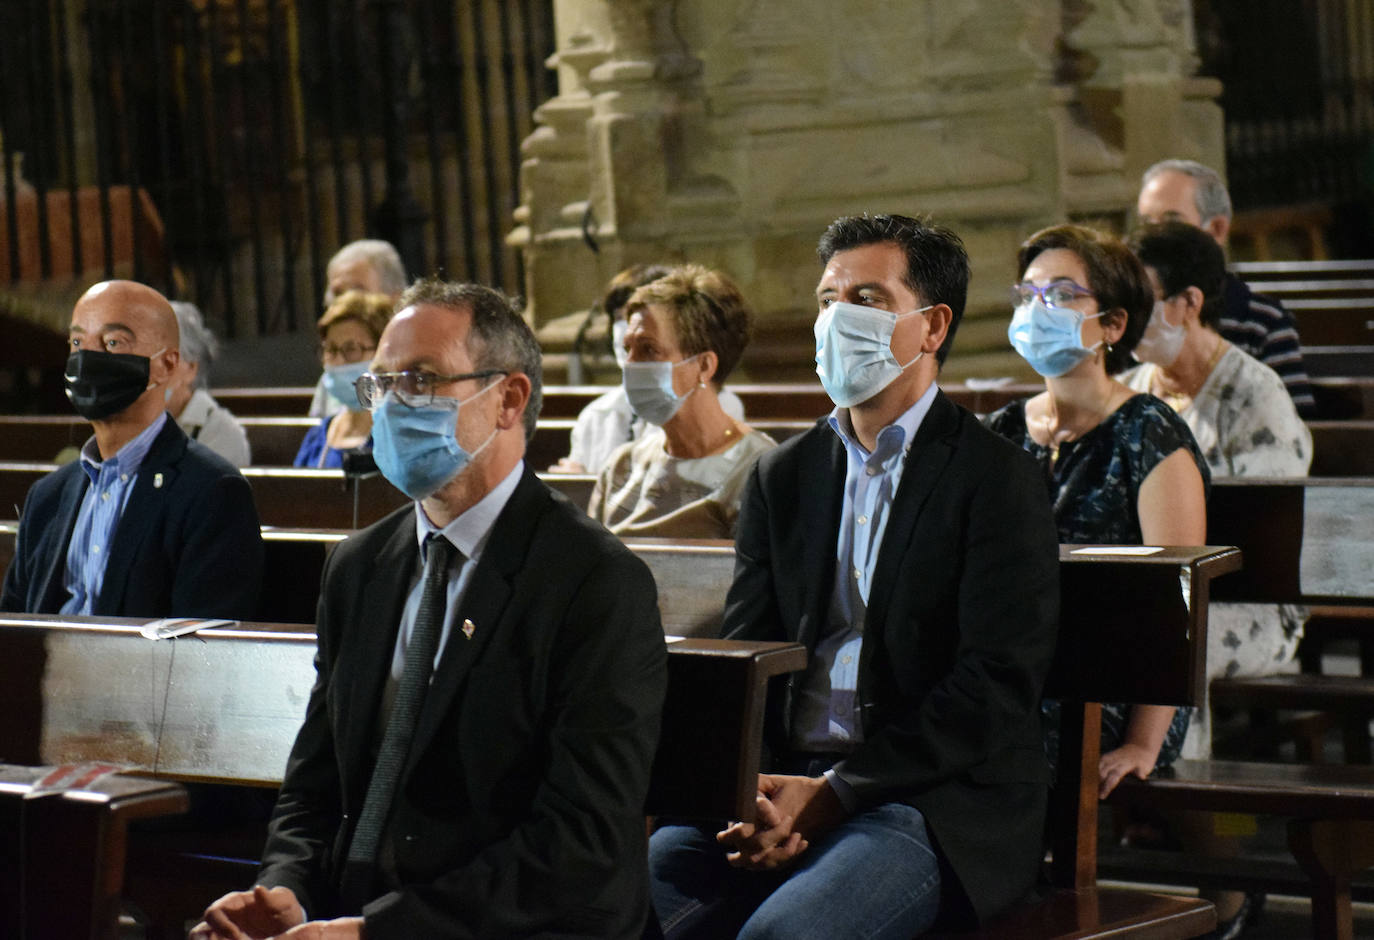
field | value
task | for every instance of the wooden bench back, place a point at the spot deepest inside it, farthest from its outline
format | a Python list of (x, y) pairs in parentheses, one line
[(293, 498), (224, 706), (1332, 301), (1304, 540)]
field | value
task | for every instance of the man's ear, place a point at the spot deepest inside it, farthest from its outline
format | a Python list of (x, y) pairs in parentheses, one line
[(1219, 227), (939, 317), (515, 396), (168, 360)]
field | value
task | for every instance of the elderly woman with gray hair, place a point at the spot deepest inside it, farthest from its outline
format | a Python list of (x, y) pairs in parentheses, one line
[(200, 416)]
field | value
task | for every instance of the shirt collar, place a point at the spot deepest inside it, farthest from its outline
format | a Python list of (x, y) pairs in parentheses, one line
[(128, 458), (469, 532), (893, 440)]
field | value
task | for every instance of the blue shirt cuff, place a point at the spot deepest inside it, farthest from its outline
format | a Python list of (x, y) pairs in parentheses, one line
[(843, 790)]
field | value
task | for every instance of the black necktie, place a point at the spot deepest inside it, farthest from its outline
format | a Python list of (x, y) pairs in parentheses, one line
[(400, 727)]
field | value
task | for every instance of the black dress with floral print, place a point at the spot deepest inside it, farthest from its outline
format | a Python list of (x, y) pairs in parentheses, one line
[(1093, 486)]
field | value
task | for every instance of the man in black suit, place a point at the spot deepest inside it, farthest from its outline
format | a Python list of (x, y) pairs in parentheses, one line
[(915, 555), (516, 795), (146, 523)]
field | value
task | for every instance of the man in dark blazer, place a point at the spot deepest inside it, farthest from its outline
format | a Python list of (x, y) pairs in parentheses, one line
[(146, 523), (915, 555), (519, 805)]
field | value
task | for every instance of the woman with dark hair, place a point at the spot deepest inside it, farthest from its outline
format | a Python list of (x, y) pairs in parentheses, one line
[(684, 478), (1121, 468), (1237, 407)]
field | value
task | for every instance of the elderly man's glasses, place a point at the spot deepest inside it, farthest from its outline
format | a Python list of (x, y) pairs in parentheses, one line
[(350, 352), (414, 387), (1058, 294)]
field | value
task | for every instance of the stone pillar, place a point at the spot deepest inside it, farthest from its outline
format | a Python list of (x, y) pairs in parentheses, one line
[(731, 133)]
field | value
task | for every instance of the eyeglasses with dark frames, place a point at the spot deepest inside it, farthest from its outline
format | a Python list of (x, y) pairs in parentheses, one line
[(413, 387)]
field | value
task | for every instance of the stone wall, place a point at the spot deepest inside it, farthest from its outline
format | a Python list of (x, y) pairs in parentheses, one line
[(731, 132)]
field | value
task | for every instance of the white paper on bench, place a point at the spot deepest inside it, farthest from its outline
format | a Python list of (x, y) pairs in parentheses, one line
[(169, 627), (1119, 550)]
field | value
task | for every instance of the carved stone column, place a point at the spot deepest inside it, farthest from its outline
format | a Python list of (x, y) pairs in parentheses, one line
[(732, 132)]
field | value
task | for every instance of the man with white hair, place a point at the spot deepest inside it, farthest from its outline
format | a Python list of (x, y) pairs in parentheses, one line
[(188, 397), (1188, 191), (370, 265)]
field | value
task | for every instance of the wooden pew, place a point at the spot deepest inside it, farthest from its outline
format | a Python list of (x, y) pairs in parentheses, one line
[(689, 595), (88, 689), (1132, 629), (1120, 612), (1342, 448), (62, 853), (292, 497), (265, 402), (1349, 394), (1333, 301), (1306, 541)]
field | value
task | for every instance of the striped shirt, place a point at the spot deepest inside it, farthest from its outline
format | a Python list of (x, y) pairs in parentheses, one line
[(1264, 329), (112, 481)]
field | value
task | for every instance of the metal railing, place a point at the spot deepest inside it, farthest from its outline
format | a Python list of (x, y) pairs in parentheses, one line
[(222, 150)]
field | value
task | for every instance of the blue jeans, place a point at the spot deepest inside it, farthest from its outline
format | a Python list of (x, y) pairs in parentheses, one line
[(875, 876)]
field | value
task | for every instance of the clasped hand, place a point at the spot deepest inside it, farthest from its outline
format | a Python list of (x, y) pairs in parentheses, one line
[(269, 914), (789, 813)]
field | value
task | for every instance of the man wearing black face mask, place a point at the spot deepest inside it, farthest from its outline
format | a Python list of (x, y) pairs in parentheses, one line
[(146, 523)]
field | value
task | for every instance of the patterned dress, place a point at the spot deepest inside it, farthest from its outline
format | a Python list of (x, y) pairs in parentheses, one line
[(644, 491), (1247, 426), (1094, 487)]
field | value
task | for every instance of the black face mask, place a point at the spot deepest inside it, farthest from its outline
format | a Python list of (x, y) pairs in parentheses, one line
[(100, 384)]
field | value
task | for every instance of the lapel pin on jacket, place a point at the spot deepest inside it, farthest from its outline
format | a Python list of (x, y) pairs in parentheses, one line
[(157, 481), (468, 628)]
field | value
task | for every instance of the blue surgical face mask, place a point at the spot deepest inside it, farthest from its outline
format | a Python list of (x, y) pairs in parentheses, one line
[(1049, 338), (338, 381), (649, 387), (417, 449), (854, 351)]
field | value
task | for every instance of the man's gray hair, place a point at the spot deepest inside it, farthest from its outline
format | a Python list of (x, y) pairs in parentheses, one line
[(1210, 197), (383, 258), (499, 338), (198, 344)]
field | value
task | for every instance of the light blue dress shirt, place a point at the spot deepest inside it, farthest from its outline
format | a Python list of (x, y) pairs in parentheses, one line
[(469, 534), (101, 508), (827, 711)]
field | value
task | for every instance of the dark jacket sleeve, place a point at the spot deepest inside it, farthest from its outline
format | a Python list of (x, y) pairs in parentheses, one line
[(751, 608)]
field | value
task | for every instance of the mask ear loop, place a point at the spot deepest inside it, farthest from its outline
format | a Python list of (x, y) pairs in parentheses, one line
[(490, 437), (900, 318), (153, 385)]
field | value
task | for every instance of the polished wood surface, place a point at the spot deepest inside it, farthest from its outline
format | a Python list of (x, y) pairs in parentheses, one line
[(62, 854)]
